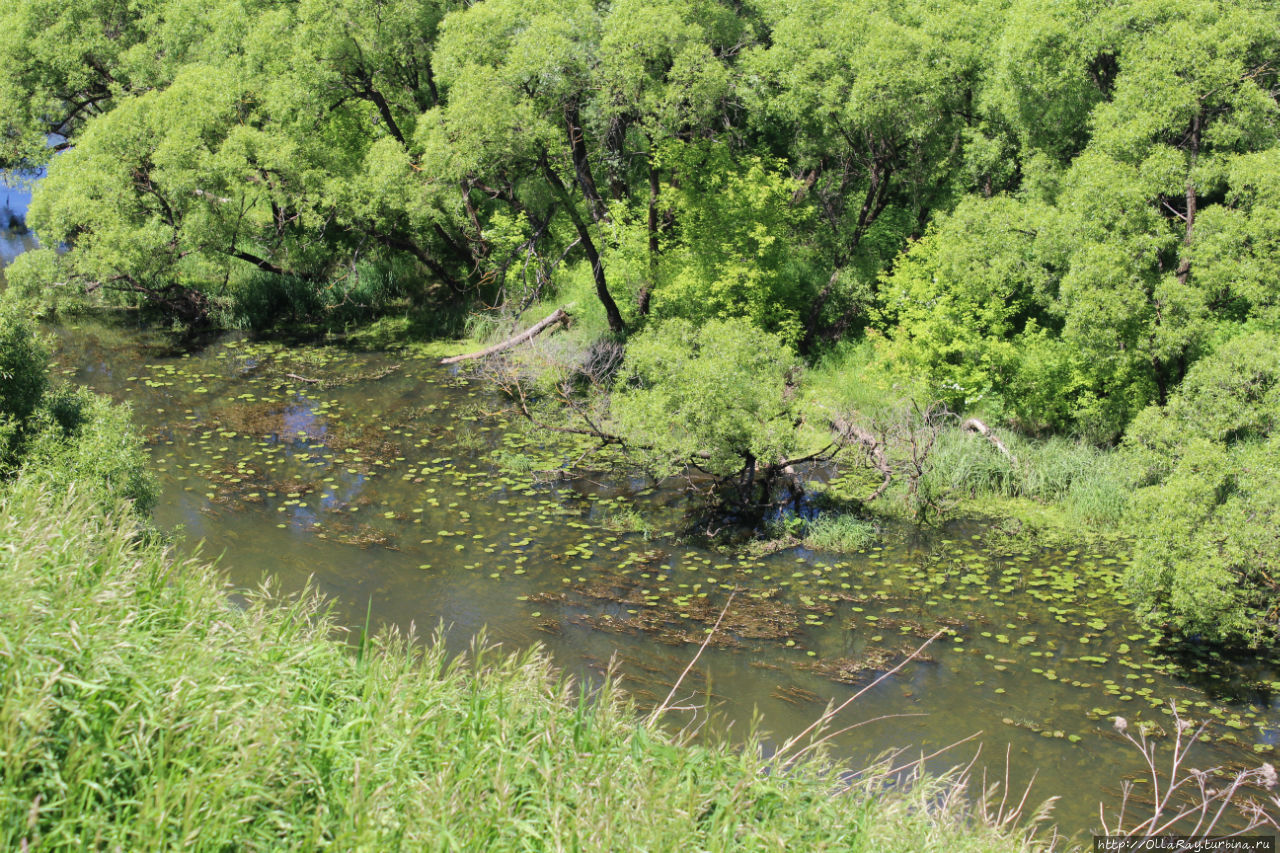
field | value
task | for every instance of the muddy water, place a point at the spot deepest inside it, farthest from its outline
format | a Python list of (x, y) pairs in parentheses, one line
[(390, 484)]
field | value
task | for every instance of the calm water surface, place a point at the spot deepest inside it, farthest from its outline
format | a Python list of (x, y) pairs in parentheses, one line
[(388, 483)]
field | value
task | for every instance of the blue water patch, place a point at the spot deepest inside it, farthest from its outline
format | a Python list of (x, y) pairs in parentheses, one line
[(15, 199)]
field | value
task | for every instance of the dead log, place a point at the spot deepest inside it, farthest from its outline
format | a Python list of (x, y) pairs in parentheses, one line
[(975, 425), (558, 316)]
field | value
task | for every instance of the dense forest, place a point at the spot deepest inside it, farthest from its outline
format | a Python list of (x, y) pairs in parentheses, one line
[(894, 235)]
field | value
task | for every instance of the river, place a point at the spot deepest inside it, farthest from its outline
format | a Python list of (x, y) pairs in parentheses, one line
[(391, 485)]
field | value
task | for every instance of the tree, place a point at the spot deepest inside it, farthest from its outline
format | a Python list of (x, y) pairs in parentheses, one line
[(1133, 242), (713, 399), (64, 64), (870, 101), (1207, 510), (284, 159), (738, 243), (554, 110), (970, 308)]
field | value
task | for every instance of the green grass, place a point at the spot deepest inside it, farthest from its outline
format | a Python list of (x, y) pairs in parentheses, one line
[(1086, 485), (627, 519), (840, 533), (140, 709)]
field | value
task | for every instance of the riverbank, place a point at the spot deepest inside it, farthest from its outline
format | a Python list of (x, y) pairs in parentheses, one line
[(142, 710)]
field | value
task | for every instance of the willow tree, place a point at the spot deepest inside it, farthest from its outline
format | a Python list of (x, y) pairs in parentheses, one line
[(1139, 253), (286, 156), (64, 63), (869, 104), (555, 110)]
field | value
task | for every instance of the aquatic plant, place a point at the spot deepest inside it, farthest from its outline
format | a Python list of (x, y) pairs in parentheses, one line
[(840, 533)]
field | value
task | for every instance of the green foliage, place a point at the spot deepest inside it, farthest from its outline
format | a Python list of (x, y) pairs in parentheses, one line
[(64, 62), (738, 246), (128, 715), (1088, 292), (969, 305), (840, 533), (83, 442), (73, 440), (865, 100), (713, 396), (24, 366), (1207, 511)]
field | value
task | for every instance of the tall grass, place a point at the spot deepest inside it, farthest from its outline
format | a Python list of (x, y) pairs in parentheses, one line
[(1089, 483), (141, 710), (360, 293)]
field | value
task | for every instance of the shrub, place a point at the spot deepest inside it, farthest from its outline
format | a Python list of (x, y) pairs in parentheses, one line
[(81, 440), (714, 396), (23, 366), (1207, 510)]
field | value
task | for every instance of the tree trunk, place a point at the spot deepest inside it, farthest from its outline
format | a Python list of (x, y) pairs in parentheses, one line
[(582, 164), (873, 204), (975, 425), (1184, 268), (646, 292), (557, 316), (588, 245)]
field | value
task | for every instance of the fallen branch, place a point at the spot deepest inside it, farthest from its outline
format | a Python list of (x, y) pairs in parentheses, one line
[(666, 703), (975, 425), (558, 316)]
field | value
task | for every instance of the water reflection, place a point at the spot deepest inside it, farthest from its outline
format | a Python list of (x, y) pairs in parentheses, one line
[(15, 198)]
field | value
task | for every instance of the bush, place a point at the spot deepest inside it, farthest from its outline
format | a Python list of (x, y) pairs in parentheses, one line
[(1207, 510), (24, 366), (715, 395), (841, 533), (80, 440), (67, 438), (1090, 483), (263, 300)]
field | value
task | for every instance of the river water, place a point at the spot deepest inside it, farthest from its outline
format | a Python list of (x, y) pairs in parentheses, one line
[(392, 485)]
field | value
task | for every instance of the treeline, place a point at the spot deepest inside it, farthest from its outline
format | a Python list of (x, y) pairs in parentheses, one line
[(1063, 217)]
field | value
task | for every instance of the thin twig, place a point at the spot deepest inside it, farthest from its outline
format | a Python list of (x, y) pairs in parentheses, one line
[(832, 712), (663, 707)]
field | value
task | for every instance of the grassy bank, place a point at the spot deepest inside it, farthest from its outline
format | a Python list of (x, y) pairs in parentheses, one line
[(141, 710)]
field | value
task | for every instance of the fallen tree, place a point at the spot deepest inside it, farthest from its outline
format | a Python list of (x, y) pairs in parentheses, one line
[(558, 316), (975, 425)]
